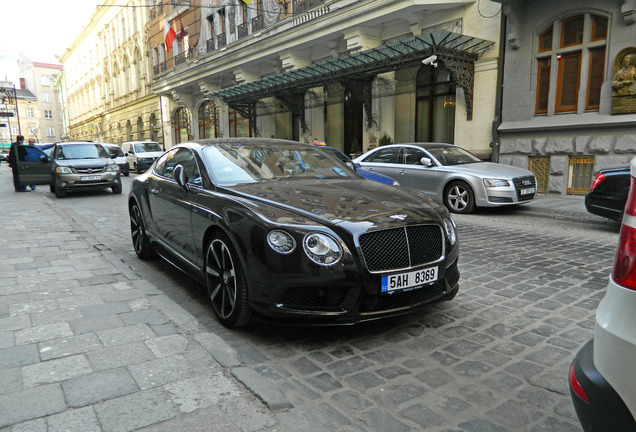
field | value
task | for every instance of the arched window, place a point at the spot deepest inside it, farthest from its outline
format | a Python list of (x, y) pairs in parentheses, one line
[(182, 125), (126, 76), (435, 109), (208, 119), (129, 133), (138, 71), (140, 129), (154, 135), (575, 46)]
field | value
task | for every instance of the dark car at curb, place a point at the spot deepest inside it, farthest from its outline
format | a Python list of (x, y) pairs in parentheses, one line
[(280, 231), (608, 193), (71, 166)]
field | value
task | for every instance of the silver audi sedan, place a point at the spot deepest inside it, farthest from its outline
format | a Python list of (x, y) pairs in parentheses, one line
[(455, 176)]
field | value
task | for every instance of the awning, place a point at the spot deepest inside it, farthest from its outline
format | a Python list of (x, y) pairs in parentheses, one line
[(458, 52)]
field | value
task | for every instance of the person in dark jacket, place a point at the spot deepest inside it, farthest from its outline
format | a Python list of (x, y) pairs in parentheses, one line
[(17, 153)]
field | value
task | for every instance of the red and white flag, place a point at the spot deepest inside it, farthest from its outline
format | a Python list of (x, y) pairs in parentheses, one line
[(168, 34)]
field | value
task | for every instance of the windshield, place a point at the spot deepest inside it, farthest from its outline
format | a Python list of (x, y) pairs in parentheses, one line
[(147, 147), (453, 155), (114, 151), (80, 151), (231, 164)]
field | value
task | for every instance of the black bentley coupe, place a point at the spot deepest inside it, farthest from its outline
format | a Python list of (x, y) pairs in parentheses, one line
[(279, 230)]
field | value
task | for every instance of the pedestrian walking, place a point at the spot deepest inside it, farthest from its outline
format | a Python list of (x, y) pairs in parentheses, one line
[(16, 153)]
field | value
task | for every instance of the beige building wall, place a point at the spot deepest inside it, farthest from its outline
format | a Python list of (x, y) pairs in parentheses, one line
[(107, 69)]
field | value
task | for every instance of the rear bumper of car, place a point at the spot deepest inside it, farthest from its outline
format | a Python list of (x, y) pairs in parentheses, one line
[(604, 410), (144, 164)]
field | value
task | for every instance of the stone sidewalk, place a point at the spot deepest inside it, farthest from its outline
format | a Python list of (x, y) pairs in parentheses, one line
[(86, 344)]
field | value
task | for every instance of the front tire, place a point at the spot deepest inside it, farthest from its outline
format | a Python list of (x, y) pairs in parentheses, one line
[(59, 192), (140, 240), (117, 188), (459, 198), (226, 283)]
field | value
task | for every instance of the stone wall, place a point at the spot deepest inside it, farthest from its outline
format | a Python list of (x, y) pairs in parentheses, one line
[(609, 151)]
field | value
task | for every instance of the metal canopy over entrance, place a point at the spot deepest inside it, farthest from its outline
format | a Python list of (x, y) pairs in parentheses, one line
[(457, 52)]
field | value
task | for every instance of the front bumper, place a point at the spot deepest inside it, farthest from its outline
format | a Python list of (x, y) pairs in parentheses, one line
[(605, 410), (69, 182), (144, 164)]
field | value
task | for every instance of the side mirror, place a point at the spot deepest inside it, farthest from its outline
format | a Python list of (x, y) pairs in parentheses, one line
[(180, 177), (125, 154), (351, 165), (132, 151), (113, 156), (427, 162), (44, 159)]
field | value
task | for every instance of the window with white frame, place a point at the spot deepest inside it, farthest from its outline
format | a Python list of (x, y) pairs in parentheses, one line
[(48, 114), (50, 131), (30, 112), (15, 130), (45, 81), (33, 131), (571, 63), (46, 97)]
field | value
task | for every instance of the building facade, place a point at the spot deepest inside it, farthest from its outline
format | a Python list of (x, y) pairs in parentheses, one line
[(354, 74), (107, 74), (569, 98), (14, 103)]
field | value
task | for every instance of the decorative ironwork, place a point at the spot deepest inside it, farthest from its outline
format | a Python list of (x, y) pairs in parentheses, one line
[(220, 40), (156, 69), (182, 124), (257, 23), (247, 110), (296, 103), (180, 58), (300, 6), (540, 167), (463, 73), (241, 30), (209, 45), (581, 173), (153, 14)]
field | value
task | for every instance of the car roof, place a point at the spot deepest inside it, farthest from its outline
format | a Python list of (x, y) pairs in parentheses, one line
[(246, 140)]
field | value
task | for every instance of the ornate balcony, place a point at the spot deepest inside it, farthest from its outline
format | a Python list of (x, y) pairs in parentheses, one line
[(153, 14), (242, 30), (257, 23), (156, 69), (300, 6), (220, 40), (209, 45)]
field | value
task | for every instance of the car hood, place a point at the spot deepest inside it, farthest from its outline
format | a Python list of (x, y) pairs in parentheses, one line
[(490, 169), (341, 202), (84, 163)]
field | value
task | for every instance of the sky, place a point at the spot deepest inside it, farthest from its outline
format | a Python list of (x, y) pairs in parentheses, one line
[(41, 29)]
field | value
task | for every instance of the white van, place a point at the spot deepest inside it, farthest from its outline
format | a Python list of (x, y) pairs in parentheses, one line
[(141, 154)]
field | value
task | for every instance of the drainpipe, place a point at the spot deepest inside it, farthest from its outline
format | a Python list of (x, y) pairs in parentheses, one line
[(494, 156)]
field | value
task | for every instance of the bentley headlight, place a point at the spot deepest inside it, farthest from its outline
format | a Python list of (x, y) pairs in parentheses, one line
[(451, 230), (494, 182), (281, 242), (322, 249)]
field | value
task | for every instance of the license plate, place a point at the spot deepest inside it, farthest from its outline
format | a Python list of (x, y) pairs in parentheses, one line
[(527, 191), (403, 281), (94, 177)]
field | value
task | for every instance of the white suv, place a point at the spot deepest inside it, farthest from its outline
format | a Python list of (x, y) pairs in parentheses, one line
[(603, 374)]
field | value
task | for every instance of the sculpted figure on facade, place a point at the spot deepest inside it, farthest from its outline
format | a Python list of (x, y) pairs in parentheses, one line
[(624, 81)]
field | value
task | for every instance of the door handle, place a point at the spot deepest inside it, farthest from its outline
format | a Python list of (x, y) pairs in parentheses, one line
[(402, 172), (154, 191)]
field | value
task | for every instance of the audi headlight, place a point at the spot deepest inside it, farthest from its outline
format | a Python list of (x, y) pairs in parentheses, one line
[(322, 249), (281, 242), (494, 182), (451, 230), (63, 170)]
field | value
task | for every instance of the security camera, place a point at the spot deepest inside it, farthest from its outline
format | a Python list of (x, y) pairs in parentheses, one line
[(430, 60)]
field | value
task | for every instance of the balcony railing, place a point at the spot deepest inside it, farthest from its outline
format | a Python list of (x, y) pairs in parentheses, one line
[(153, 14), (180, 58), (161, 67), (209, 45), (257, 23), (242, 30), (160, 8), (220, 40), (299, 6), (156, 69)]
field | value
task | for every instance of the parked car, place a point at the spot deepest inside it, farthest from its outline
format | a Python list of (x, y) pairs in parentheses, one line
[(117, 154), (277, 230), (141, 154), (72, 166), (4, 157), (608, 193), (602, 374), (458, 178), (364, 173)]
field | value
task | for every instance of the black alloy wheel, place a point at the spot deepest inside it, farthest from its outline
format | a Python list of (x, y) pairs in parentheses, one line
[(226, 283), (140, 240)]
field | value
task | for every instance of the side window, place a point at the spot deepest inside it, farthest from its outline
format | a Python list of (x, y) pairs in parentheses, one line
[(182, 157), (32, 154), (413, 156), (388, 155), (160, 167)]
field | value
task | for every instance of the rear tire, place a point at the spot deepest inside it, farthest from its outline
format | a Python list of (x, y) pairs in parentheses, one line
[(459, 198), (140, 240), (226, 283)]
